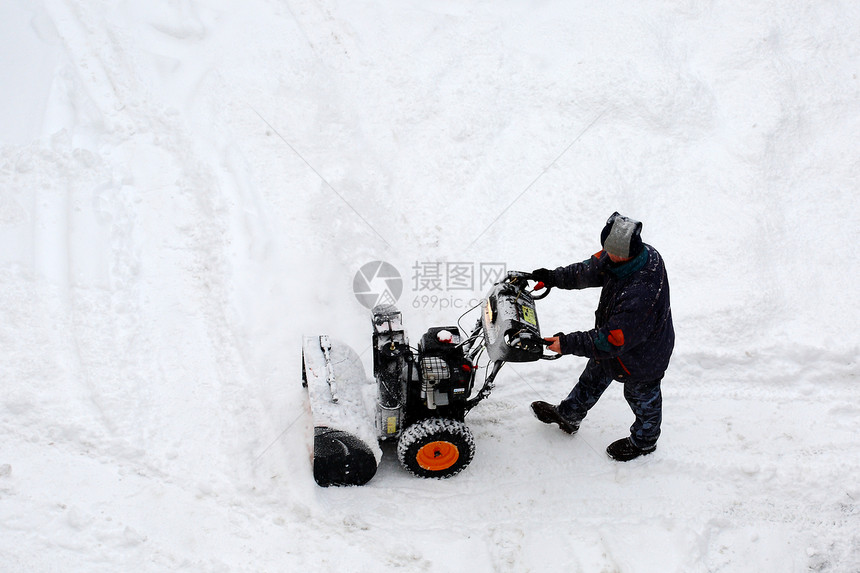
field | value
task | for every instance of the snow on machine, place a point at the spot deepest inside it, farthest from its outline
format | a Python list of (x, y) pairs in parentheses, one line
[(418, 397)]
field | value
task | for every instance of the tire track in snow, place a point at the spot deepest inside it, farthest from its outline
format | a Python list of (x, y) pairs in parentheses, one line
[(181, 371)]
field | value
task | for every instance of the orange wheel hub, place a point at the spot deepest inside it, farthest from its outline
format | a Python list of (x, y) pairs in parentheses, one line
[(437, 456)]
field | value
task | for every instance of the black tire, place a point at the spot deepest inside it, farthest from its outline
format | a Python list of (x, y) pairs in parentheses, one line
[(436, 448)]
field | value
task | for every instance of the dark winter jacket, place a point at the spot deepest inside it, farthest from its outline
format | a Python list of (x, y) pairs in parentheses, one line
[(633, 336)]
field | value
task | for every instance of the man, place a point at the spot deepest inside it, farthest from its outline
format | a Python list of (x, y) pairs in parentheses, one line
[(631, 341)]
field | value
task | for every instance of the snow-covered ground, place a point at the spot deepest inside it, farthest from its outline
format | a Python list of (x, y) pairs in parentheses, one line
[(188, 186)]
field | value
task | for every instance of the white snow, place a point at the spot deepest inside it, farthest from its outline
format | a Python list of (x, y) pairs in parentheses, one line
[(188, 187)]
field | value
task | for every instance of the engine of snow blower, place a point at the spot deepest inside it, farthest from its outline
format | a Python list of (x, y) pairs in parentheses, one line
[(421, 396)]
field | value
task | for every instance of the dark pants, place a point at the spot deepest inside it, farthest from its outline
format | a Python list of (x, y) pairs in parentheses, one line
[(644, 398)]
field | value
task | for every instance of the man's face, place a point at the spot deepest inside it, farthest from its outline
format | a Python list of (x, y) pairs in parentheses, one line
[(616, 259)]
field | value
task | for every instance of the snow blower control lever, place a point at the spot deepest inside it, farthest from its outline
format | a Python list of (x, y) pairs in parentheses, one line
[(421, 396)]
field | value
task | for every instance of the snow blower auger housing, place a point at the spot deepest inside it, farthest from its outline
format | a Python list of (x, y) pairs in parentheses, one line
[(418, 397)]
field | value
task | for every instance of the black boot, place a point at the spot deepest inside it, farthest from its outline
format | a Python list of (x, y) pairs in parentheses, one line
[(548, 414), (623, 450)]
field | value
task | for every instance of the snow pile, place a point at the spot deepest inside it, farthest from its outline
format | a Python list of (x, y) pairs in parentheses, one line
[(188, 187)]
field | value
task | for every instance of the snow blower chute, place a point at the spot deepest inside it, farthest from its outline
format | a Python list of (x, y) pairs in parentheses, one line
[(418, 397)]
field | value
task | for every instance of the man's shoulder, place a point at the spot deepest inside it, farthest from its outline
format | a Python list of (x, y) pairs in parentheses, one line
[(655, 259)]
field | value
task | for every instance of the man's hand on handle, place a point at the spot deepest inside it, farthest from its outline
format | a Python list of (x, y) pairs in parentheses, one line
[(554, 344), (543, 276)]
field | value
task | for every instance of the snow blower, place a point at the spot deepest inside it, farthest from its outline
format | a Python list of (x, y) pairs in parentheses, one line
[(418, 397)]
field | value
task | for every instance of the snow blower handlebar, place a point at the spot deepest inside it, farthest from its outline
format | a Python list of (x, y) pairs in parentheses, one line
[(521, 278), (538, 287), (554, 356)]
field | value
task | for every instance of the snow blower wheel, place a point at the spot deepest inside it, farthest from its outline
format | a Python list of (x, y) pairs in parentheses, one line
[(436, 448)]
